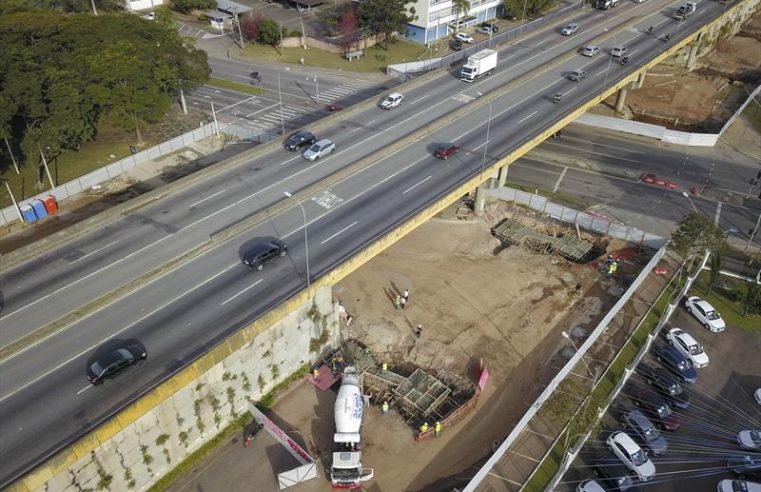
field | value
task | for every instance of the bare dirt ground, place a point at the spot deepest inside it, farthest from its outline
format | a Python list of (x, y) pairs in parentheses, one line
[(702, 99), (476, 302)]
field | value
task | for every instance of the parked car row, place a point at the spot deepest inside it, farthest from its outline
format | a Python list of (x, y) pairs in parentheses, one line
[(664, 390)]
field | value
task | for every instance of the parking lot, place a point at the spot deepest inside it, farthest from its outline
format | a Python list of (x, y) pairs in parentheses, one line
[(720, 405)]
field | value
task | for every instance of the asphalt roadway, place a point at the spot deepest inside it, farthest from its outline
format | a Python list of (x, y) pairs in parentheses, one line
[(604, 168), (45, 400)]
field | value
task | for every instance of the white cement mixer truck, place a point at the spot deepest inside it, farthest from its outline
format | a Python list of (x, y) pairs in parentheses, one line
[(346, 471)]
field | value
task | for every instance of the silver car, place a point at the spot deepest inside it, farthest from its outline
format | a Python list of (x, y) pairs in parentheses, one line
[(570, 29), (645, 432), (749, 439), (590, 50), (319, 149)]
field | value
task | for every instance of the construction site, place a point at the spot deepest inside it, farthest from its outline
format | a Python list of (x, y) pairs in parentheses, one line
[(476, 342)]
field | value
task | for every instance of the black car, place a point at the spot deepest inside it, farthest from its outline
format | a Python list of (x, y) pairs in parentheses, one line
[(640, 427), (656, 408), (113, 363), (455, 44), (674, 361), (613, 473), (666, 384), (299, 140), (744, 464), (263, 252)]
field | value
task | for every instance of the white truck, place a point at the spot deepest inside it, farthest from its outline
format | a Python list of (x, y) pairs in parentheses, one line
[(478, 65), (685, 10), (346, 471)]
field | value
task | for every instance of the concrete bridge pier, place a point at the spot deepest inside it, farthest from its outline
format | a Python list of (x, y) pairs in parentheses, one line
[(692, 56), (480, 199), (621, 99), (640, 80)]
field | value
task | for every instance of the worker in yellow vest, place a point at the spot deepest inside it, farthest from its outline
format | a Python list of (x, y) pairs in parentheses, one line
[(384, 408), (423, 427), (437, 429)]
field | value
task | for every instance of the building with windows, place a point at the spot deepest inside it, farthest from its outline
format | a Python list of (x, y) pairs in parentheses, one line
[(438, 19)]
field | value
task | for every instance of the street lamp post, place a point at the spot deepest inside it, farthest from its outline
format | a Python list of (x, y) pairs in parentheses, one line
[(486, 142), (568, 337), (306, 239), (687, 196)]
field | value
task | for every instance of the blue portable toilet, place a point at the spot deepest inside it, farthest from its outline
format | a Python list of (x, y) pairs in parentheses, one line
[(39, 209), (27, 212)]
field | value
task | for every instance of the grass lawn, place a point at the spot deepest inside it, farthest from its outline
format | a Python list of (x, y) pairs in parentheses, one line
[(730, 310), (753, 112), (375, 59)]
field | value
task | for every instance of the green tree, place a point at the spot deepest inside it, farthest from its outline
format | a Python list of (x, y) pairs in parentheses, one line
[(186, 6), (67, 6), (516, 8), (461, 7), (696, 234), (716, 260), (752, 299), (385, 17), (269, 32)]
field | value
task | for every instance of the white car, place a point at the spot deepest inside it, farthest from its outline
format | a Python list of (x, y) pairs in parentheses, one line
[(391, 101), (750, 439), (688, 346), (589, 486), (569, 29), (727, 485), (631, 455), (618, 51), (590, 50), (705, 313), (757, 396), (465, 38), (319, 149)]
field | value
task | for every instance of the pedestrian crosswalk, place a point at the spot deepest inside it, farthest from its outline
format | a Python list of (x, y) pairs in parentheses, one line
[(348, 88), (262, 118)]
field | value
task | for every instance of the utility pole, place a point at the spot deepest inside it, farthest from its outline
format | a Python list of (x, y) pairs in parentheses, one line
[(94, 10), (240, 31), (182, 100), (13, 158), (18, 210), (45, 163)]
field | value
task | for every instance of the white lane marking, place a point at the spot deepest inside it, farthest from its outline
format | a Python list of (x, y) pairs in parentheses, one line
[(84, 389), (416, 185), (75, 282), (363, 127), (262, 110), (570, 90), (593, 152), (371, 122), (420, 99), (539, 43), (242, 101), (560, 178), (244, 290), (154, 243), (632, 52), (207, 198), (527, 117), (94, 252), (718, 213), (340, 232), (601, 72), (112, 335)]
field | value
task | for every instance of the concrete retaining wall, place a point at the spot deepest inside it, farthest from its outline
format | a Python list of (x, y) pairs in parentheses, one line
[(147, 439)]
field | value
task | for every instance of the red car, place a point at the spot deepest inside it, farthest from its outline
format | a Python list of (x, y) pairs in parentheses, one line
[(445, 151), (653, 179)]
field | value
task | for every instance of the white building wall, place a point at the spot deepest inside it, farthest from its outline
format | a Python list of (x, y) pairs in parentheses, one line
[(143, 4)]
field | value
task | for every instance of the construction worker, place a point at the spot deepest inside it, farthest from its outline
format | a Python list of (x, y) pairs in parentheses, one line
[(316, 372), (437, 429), (424, 427), (384, 408), (384, 366)]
